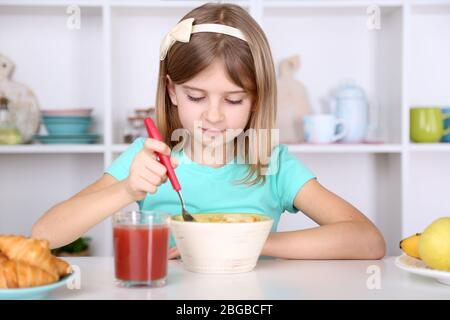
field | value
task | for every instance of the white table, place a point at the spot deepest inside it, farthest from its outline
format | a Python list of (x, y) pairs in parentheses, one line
[(271, 279)]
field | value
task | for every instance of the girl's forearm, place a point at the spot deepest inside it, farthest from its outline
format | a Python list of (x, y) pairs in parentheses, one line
[(68, 220), (343, 240)]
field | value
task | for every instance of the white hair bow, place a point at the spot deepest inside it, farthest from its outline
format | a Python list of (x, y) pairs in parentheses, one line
[(183, 30)]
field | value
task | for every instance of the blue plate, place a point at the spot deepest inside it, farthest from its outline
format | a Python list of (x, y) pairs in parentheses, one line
[(67, 139), (68, 136), (38, 292)]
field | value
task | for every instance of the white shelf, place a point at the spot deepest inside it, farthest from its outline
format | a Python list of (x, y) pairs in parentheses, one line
[(294, 148), (330, 4), (164, 4), (119, 147), (429, 147), (426, 3), (328, 148), (345, 148), (193, 3), (111, 64), (55, 148), (52, 3), (113, 3)]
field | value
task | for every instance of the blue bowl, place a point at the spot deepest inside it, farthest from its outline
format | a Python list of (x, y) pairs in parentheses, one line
[(65, 119), (67, 127)]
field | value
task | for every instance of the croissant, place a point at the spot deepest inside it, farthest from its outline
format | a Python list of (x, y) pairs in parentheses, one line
[(62, 267), (3, 258), (16, 274), (33, 252)]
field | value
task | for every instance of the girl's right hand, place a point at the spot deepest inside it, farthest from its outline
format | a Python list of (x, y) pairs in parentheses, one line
[(146, 172)]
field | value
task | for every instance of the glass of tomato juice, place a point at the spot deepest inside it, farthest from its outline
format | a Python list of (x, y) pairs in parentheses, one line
[(141, 246)]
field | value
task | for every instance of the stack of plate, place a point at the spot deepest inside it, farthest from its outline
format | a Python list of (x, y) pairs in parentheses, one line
[(67, 126)]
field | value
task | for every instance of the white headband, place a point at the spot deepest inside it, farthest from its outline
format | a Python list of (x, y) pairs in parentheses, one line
[(183, 30)]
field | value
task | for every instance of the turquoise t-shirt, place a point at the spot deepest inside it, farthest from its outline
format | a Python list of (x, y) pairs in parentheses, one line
[(207, 189)]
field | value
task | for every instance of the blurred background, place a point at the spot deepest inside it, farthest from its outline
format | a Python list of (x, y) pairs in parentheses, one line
[(364, 91)]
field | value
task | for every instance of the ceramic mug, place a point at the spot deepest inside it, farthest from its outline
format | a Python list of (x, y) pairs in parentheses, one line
[(321, 128), (427, 124), (446, 111)]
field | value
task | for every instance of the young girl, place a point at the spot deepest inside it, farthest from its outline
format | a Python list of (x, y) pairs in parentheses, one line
[(217, 83)]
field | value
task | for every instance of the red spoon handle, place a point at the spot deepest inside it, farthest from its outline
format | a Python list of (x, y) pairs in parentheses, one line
[(165, 160)]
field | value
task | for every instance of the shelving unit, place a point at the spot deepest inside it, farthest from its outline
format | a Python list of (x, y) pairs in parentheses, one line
[(111, 64)]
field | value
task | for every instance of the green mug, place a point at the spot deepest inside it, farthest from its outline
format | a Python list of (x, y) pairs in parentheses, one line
[(427, 124)]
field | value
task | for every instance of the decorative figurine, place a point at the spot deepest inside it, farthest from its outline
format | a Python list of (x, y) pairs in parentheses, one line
[(23, 105), (293, 102)]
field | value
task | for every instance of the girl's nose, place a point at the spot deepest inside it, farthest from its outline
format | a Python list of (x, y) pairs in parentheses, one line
[(214, 113)]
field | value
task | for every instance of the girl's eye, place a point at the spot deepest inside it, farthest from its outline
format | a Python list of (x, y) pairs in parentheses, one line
[(198, 99), (195, 99), (234, 101)]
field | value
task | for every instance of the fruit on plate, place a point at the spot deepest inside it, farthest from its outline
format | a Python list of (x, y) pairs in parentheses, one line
[(410, 245), (434, 245)]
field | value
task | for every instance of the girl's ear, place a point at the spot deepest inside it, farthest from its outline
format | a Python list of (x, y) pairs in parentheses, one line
[(171, 90)]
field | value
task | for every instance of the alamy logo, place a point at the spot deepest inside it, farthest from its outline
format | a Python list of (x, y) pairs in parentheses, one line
[(374, 280), (210, 149), (74, 19), (374, 17), (75, 282)]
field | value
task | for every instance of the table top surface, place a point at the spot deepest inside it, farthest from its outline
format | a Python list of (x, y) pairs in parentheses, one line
[(271, 279)]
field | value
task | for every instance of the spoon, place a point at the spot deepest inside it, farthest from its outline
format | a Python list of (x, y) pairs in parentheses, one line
[(154, 134)]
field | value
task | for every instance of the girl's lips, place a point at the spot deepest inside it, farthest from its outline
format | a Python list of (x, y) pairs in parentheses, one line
[(212, 132)]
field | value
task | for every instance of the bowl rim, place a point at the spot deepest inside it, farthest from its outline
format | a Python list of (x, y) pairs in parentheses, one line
[(87, 109), (269, 219)]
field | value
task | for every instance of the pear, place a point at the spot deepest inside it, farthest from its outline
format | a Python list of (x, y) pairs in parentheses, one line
[(434, 244)]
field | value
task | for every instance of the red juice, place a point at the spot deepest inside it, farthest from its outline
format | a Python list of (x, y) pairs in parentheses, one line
[(141, 252)]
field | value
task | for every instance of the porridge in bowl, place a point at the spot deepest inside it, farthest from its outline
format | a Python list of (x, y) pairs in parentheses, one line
[(226, 217)]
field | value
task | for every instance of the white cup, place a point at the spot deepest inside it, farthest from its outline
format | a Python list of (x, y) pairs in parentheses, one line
[(321, 128)]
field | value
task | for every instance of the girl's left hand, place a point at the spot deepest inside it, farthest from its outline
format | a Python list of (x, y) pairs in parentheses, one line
[(173, 253)]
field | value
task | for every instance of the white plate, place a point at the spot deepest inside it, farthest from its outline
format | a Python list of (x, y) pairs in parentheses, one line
[(417, 266)]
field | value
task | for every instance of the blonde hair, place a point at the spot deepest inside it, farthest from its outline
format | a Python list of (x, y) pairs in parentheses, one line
[(249, 65)]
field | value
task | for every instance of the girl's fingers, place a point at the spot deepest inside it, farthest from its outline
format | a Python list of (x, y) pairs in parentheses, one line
[(152, 178), (146, 185), (154, 172), (153, 145), (174, 162), (156, 167), (144, 178), (173, 253)]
